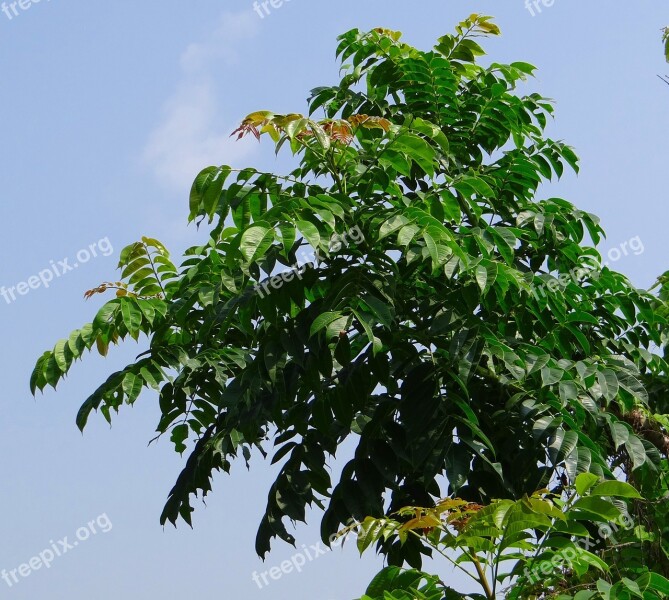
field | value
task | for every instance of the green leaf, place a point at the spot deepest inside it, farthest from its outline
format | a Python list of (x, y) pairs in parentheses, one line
[(582, 317), (132, 317), (618, 489), (562, 444), (132, 386), (452, 211), (212, 191), (417, 150), (63, 355), (551, 376), (608, 383), (310, 233), (397, 161), (366, 323), (619, 432), (653, 581), (255, 241), (438, 253), (322, 321), (482, 277), (179, 436), (632, 586), (392, 225), (636, 451), (596, 506), (407, 234), (584, 482)]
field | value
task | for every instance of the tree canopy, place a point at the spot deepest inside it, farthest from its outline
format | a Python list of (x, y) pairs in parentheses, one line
[(404, 286)]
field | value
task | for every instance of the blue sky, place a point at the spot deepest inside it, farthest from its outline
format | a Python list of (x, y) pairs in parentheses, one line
[(108, 112)]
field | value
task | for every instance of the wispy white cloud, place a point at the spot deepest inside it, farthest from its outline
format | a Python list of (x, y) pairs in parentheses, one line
[(194, 132)]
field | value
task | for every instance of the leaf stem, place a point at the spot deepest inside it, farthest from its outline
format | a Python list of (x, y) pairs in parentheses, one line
[(483, 580)]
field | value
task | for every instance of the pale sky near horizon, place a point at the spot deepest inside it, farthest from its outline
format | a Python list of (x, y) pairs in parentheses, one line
[(109, 110)]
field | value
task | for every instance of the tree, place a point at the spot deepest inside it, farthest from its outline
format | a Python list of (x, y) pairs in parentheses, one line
[(463, 331)]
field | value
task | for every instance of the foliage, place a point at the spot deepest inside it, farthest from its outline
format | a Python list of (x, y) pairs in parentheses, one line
[(538, 546), (456, 326)]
